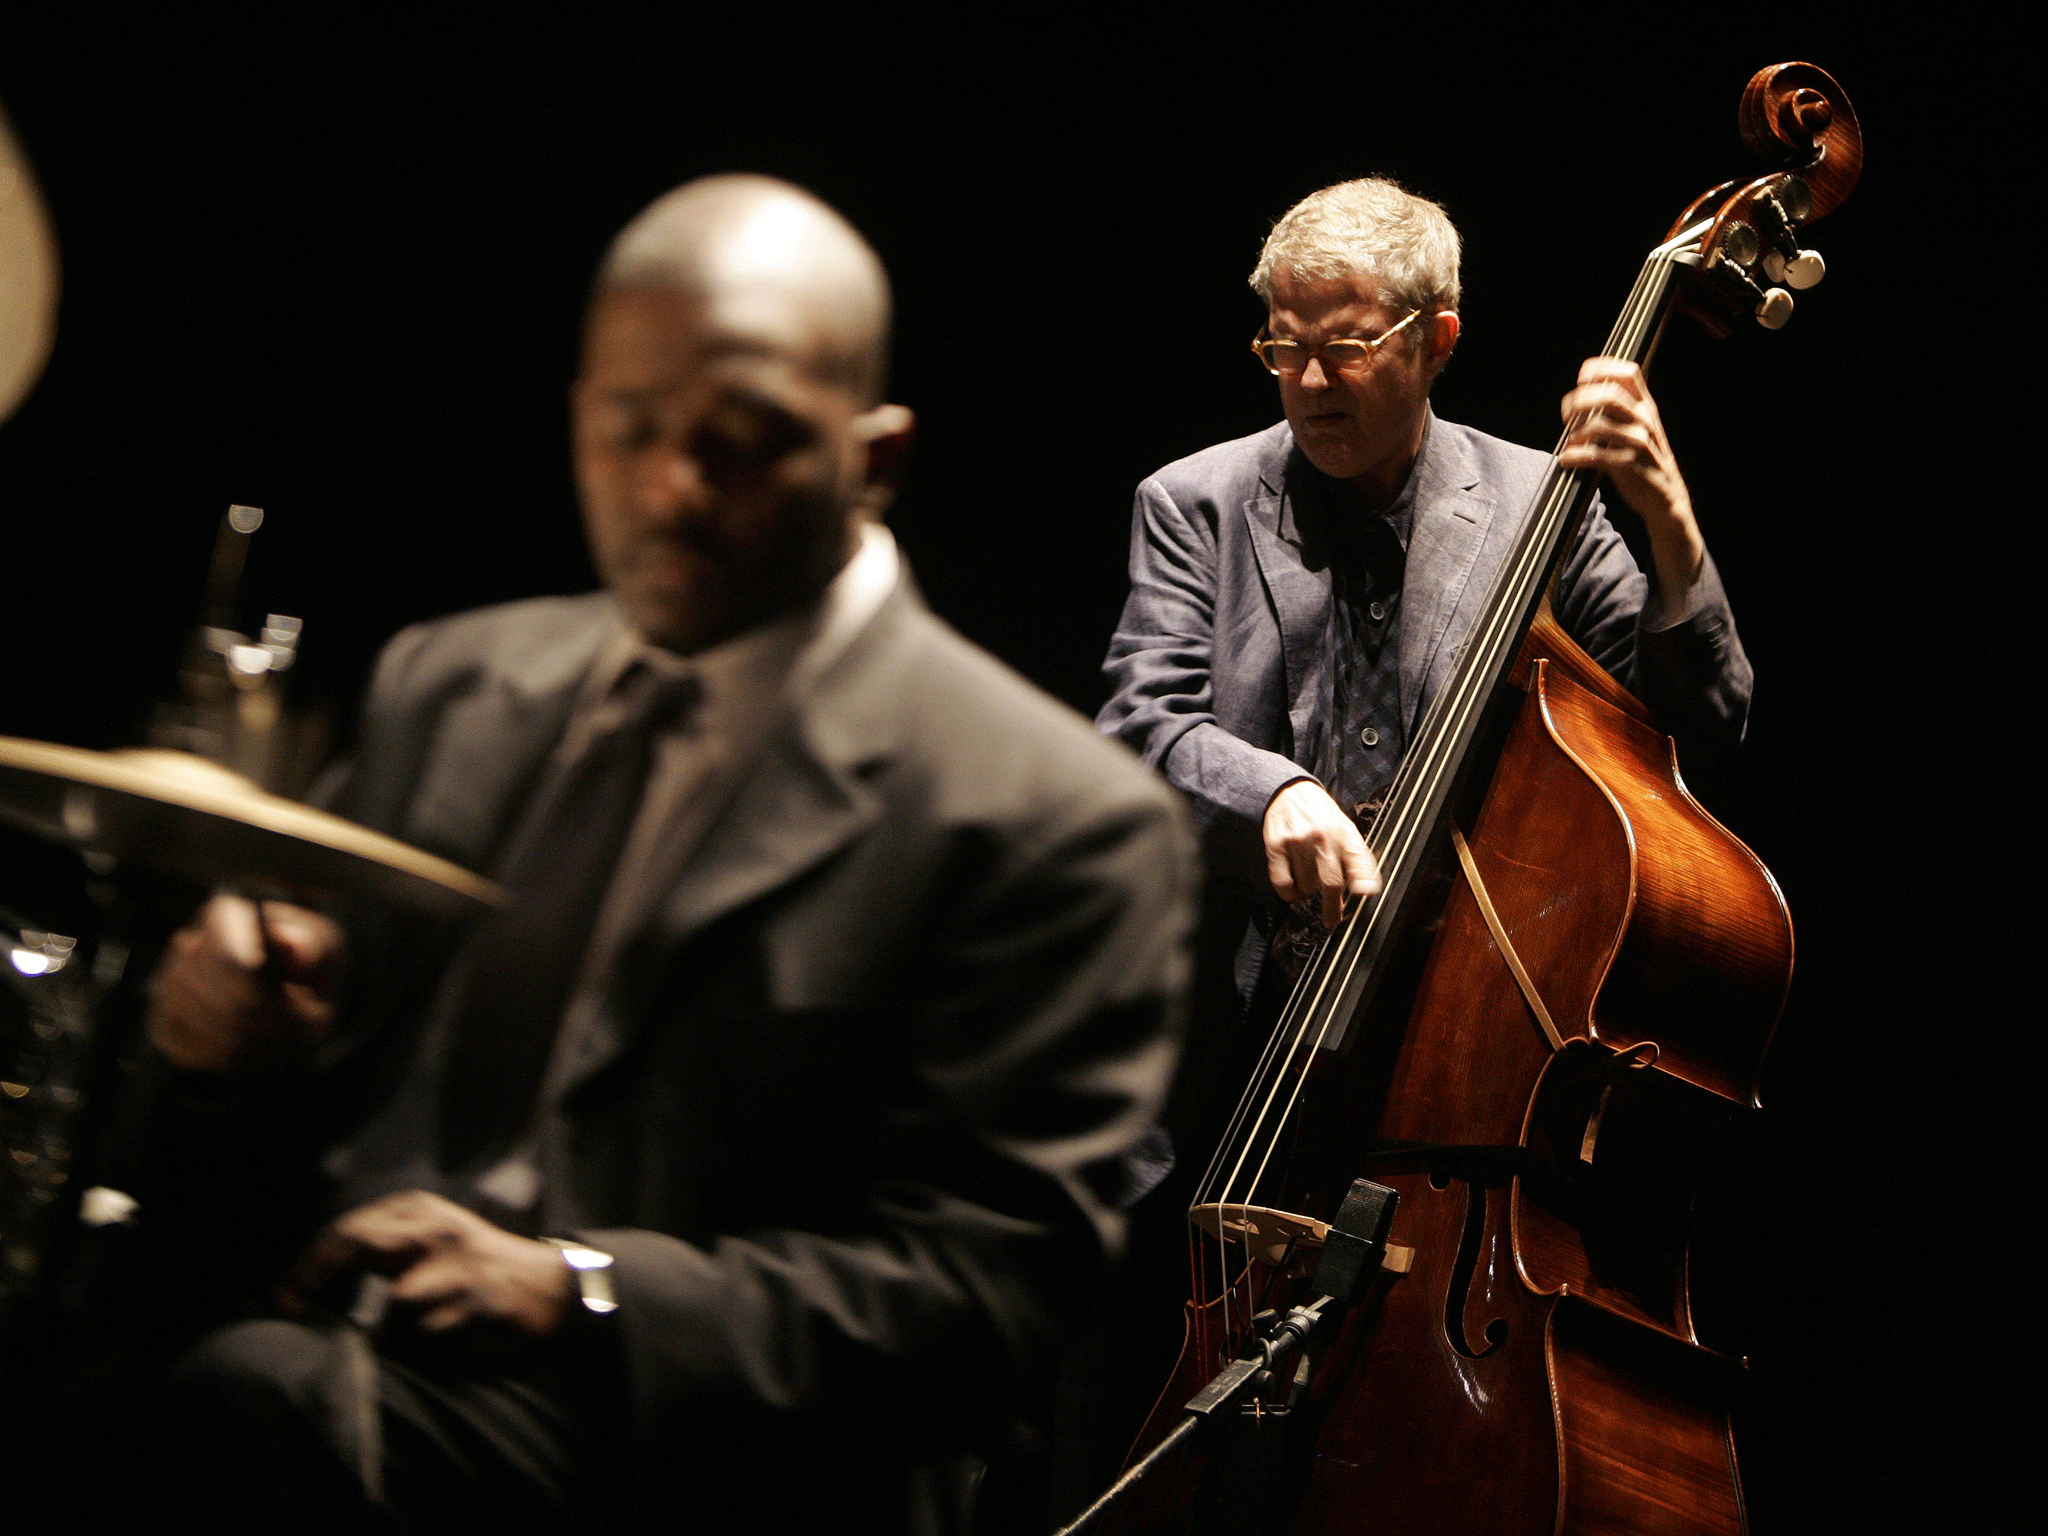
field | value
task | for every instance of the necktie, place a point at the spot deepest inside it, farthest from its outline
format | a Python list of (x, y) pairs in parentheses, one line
[(523, 961)]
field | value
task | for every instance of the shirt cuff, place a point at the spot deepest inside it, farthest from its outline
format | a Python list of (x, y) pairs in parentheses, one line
[(1223, 773), (1662, 612), (1667, 614)]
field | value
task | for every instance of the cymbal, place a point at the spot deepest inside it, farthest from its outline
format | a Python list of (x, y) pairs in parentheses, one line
[(187, 816), (28, 276)]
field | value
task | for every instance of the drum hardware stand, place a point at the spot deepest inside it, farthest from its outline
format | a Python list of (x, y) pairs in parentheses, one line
[(232, 710), (60, 1090), (67, 1088)]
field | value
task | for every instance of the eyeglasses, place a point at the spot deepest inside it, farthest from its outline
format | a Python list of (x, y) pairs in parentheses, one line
[(1349, 355)]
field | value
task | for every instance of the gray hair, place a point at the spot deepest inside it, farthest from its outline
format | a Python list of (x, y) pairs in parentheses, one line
[(724, 233), (1374, 226)]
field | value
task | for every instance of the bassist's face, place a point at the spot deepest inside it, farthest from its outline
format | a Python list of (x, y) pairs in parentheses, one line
[(1364, 426)]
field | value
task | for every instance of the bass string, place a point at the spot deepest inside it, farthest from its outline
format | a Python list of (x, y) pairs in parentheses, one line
[(1234, 1140), (1448, 724)]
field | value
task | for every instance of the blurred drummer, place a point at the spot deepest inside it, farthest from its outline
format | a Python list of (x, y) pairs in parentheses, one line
[(755, 1160)]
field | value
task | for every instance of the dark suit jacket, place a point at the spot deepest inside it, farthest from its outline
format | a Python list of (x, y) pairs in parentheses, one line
[(854, 1115)]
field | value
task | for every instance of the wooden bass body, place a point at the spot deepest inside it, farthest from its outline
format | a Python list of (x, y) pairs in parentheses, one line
[(1537, 1368)]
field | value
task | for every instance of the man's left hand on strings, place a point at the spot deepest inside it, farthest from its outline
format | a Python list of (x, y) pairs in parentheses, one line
[(1620, 434)]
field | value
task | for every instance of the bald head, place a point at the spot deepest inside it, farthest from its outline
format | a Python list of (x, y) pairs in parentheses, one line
[(766, 259), (729, 437)]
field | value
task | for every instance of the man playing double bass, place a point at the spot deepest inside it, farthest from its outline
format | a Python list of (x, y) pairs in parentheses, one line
[(1299, 595)]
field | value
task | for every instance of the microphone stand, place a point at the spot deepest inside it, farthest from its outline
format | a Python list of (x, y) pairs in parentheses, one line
[(1353, 1251)]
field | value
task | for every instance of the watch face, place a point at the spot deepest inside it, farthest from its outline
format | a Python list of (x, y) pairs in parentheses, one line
[(592, 1271)]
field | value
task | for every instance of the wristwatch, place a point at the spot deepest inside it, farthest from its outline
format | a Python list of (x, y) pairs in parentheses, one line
[(593, 1272)]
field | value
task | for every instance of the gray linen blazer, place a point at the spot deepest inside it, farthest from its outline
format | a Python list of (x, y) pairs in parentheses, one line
[(1221, 637), (855, 1112)]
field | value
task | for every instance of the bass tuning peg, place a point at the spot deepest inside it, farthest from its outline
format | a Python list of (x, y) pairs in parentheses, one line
[(1774, 309), (1802, 270)]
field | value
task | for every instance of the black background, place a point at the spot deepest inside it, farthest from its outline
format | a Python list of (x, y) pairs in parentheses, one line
[(334, 268)]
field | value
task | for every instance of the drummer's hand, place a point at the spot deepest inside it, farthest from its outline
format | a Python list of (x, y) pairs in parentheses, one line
[(1313, 850), (451, 1269), (216, 1008), (1616, 429)]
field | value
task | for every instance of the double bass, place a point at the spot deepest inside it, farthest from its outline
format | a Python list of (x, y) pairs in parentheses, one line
[(1499, 1079)]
